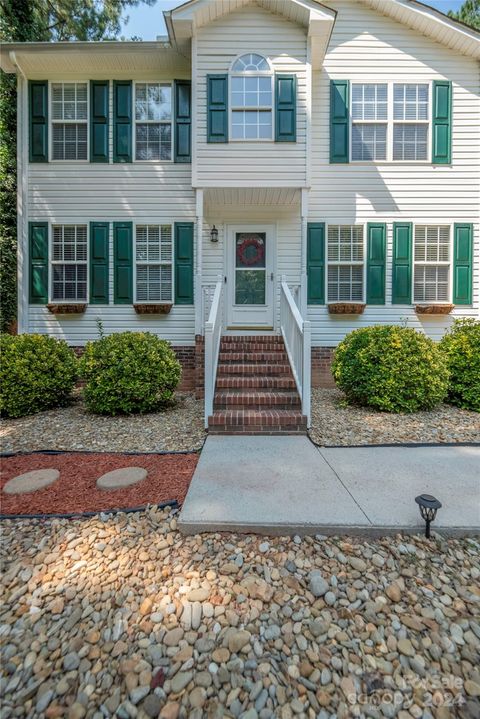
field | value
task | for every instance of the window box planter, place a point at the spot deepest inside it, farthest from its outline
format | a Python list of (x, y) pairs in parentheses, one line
[(67, 309), (433, 309), (346, 308), (150, 309)]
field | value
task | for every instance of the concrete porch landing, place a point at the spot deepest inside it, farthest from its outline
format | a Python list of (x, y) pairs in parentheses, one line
[(286, 485)]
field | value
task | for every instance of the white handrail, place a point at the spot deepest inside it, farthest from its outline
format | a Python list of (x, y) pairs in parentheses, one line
[(213, 335), (296, 333)]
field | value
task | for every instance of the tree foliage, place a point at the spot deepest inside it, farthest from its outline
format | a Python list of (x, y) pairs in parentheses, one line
[(38, 20), (469, 13)]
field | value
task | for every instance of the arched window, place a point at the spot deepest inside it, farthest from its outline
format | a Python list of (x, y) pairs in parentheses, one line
[(251, 97)]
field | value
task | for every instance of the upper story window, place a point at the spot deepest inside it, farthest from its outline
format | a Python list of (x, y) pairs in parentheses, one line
[(251, 99), (390, 122), (69, 263), (69, 113), (153, 121)]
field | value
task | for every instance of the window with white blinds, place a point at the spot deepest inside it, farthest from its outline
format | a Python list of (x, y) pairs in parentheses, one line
[(410, 136), (69, 263), (369, 121), (154, 263), (431, 277), (345, 256), (69, 113), (153, 121)]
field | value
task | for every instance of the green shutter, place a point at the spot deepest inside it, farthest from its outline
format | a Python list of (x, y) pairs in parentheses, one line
[(217, 108), (122, 121), (442, 122), (339, 121), (99, 251), (316, 263), (402, 263), (184, 263), (99, 99), (38, 110), (122, 263), (462, 264), (376, 252), (285, 108), (183, 121), (38, 258)]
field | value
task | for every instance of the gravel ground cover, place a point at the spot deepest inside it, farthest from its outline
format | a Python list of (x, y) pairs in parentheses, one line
[(124, 617), (72, 428), (336, 423), (168, 478)]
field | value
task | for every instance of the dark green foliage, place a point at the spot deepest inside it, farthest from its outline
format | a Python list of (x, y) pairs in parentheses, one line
[(469, 13), (461, 346), (128, 373), (36, 373), (391, 368)]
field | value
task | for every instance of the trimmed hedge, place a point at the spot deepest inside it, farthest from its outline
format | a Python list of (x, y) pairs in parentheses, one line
[(36, 373), (391, 368), (129, 373), (461, 346)]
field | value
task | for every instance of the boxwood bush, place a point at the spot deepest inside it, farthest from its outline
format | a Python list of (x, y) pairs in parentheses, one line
[(391, 368), (36, 373), (461, 346), (128, 373)]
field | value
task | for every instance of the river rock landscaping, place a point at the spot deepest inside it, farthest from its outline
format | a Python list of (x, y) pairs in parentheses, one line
[(122, 616), (179, 427), (336, 423)]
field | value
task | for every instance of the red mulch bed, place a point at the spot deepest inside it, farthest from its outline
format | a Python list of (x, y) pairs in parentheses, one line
[(169, 476)]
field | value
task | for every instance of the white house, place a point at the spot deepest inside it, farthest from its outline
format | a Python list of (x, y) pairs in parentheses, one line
[(272, 170)]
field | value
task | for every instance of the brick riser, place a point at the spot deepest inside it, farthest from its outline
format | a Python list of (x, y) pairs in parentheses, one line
[(255, 390)]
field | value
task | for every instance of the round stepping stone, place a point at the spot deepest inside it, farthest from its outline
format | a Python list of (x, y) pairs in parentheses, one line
[(31, 481), (121, 478)]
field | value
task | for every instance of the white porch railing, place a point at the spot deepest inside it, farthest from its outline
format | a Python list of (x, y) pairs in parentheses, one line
[(213, 335), (296, 334)]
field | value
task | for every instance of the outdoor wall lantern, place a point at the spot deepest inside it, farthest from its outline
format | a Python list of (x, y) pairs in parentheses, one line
[(214, 234), (428, 509)]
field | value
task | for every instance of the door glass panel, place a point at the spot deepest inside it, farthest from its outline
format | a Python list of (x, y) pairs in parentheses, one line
[(250, 263)]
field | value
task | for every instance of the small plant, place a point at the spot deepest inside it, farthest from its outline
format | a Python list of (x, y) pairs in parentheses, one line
[(128, 373), (461, 346), (36, 373), (391, 368)]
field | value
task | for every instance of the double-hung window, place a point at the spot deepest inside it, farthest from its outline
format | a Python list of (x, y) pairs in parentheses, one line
[(369, 121), (251, 88), (69, 113), (154, 263), (431, 276), (69, 263), (345, 254), (390, 122), (153, 121)]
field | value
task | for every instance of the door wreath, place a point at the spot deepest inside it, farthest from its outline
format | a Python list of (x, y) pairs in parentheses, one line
[(254, 259)]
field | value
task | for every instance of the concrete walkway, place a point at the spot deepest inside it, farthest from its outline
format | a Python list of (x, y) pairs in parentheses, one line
[(285, 485)]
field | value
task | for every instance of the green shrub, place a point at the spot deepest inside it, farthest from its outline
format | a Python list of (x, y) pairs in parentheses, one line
[(36, 373), (461, 346), (129, 372), (391, 368)]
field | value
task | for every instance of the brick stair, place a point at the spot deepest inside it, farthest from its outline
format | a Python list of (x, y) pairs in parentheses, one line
[(255, 390)]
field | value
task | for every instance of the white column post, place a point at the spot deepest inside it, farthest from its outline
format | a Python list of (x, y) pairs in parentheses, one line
[(199, 319), (303, 276)]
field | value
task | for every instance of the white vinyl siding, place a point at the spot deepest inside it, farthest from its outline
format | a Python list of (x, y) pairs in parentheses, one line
[(69, 120), (431, 256), (345, 263), (153, 121), (154, 263), (69, 263)]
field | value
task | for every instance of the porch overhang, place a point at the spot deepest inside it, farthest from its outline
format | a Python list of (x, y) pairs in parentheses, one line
[(252, 197)]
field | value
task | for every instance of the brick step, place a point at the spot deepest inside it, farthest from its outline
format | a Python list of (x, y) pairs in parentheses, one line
[(254, 368), (261, 421), (276, 339), (279, 357), (252, 382), (228, 399), (251, 347)]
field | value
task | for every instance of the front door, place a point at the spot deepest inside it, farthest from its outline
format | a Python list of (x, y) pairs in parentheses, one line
[(250, 277)]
